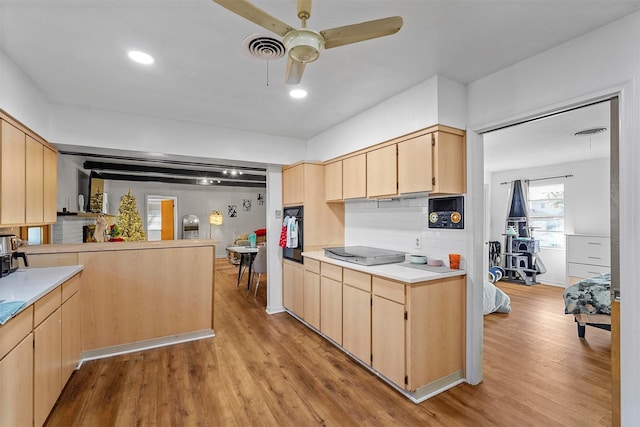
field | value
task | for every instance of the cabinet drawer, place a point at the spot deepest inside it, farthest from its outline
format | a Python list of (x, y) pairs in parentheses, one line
[(393, 291), (12, 332), (594, 250), (331, 271), (312, 265), (70, 287), (357, 279), (47, 305), (585, 270)]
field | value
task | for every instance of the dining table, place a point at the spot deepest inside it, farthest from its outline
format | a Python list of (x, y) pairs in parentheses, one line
[(247, 255)]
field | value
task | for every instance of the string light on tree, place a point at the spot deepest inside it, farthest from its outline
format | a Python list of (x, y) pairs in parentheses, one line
[(128, 220)]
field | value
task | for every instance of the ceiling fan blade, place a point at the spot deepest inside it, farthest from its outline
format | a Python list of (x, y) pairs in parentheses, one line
[(256, 15), (294, 72), (341, 36)]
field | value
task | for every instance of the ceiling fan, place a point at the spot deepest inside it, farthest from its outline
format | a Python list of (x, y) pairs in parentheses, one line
[(304, 44)]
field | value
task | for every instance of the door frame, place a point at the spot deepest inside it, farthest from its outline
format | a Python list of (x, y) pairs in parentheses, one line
[(153, 197)]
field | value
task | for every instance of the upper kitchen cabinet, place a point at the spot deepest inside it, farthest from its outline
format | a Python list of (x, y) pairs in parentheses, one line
[(434, 162), (304, 184), (12, 175), (28, 176), (354, 177), (333, 181), (382, 172)]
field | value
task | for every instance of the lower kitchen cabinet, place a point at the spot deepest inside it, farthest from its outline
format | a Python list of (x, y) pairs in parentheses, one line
[(47, 366), (356, 313), (356, 322), (388, 338), (16, 385), (71, 339), (331, 301), (311, 293), (292, 287)]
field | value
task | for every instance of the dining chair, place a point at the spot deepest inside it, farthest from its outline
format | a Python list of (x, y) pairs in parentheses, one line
[(259, 266)]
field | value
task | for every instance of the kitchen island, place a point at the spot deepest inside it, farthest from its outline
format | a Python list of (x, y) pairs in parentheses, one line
[(137, 295), (406, 325)]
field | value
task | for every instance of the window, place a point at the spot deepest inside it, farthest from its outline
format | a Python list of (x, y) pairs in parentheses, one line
[(546, 214)]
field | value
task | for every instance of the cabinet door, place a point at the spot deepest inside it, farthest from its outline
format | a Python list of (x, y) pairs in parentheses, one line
[(333, 181), (415, 169), (292, 287), (293, 185), (331, 308), (311, 298), (16, 385), (382, 172), (71, 341), (449, 163), (356, 322), (388, 339), (354, 177), (50, 185), (13, 180), (47, 364), (34, 181)]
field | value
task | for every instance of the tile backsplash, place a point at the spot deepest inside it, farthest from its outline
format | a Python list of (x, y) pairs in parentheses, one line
[(396, 224)]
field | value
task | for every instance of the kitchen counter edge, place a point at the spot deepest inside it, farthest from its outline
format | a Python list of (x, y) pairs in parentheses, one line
[(31, 284), (395, 271), (116, 246)]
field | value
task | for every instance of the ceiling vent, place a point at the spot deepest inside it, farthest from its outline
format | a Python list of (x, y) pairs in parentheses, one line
[(589, 132), (264, 47)]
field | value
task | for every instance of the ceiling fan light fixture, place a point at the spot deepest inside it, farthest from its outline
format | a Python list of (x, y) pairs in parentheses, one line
[(303, 45)]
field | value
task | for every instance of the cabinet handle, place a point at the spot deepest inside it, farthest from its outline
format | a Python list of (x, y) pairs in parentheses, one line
[(594, 257), (595, 243)]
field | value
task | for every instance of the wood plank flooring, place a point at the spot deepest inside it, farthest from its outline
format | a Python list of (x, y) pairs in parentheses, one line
[(263, 370)]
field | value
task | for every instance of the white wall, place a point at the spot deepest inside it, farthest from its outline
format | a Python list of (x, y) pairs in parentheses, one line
[(105, 129), (603, 62), (437, 100), (22, 99), (586, 206)]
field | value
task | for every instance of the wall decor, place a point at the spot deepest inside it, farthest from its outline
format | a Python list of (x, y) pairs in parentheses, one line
[(232, 211), (246, 205), (260, 199)]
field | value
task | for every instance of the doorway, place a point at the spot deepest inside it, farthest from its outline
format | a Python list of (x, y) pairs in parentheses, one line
[(605, 221), (162, 217)]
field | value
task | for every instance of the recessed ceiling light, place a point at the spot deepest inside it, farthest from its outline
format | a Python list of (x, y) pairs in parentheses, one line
[(140, 57), (298, 93)]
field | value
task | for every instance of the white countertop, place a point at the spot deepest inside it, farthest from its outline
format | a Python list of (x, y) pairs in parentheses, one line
[(397, 271), (31, 284)]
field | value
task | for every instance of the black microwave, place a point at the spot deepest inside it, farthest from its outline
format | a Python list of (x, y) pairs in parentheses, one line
[(446, 212)]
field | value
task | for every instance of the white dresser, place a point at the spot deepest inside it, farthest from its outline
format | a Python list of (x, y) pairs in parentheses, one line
[(587, 256)]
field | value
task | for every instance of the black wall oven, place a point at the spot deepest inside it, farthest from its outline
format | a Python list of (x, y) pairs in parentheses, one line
[(293, 251)]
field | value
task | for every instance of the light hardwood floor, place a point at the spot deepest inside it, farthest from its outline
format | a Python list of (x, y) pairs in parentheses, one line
[(272, 370)]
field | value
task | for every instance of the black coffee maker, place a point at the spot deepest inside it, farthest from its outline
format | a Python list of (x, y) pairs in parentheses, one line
[(9, 254)]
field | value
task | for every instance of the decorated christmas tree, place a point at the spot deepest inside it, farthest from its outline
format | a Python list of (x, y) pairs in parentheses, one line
[(128, 219)]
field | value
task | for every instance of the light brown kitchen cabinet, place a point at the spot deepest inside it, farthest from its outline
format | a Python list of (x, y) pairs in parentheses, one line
[(354, 177), (331, 301), (28, 176), (47, 365), (293, 185), (388, 346), (16, 370), (311, 292), (333, 181), (433, 163), (34, 181), (356, 314), (382, 172), (292, 287), (70, 330), (304, 184), (50, 163), (13, 176)]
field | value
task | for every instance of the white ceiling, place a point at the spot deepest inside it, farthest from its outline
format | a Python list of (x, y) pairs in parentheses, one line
[(75, 52)]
